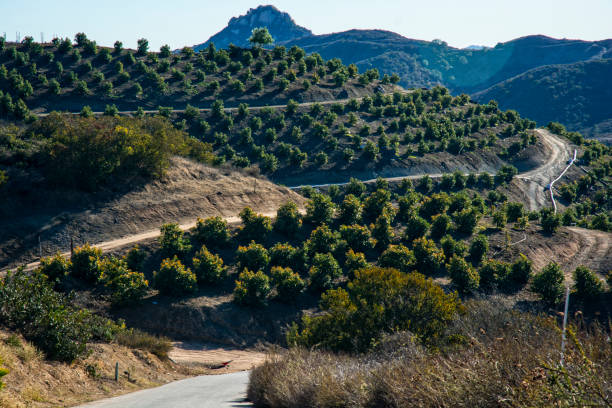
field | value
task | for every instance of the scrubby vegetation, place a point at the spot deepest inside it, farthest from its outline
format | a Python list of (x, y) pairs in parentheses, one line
[(488, 355)]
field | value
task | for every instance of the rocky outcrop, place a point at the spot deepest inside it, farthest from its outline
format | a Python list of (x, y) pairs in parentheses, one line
[(238, 30)]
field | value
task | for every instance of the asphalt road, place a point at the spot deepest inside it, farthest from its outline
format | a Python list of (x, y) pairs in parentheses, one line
[(206, 391)]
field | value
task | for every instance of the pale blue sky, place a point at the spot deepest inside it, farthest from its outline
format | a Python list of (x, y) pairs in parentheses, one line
[(189, 22)]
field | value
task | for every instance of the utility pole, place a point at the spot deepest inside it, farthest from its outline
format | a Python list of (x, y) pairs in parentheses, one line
[(563, 336)]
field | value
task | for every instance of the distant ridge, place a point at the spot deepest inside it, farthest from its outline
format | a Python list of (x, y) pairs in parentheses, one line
[(238, 30)]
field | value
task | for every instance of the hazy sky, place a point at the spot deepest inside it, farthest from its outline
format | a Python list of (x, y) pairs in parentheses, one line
[(189, 22)]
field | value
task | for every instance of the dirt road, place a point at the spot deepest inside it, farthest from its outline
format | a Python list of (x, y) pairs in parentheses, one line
[(538, 179)]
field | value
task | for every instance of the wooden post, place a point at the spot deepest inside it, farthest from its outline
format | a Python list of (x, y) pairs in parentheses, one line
[(39, 248), (117, 371)]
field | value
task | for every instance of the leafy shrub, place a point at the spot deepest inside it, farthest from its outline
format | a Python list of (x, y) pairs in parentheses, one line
[(478, 249), (429, 258), (548, 283), (174, 279), (135, 258), (416, 227), (323, 271), (208, 267), (520, 270), (253, 257), (255, 227), (55, 268), (172, 241), (549, 220), (288, 220), (283, 255), (252, 288), (354, 261), (358, 237), (212, 232), (126, 286), (85, 261), (319, 209), (288, 283), (321, 240), (587, 285), (398, 257), (377, 301), (29, 304), (463, 276), (350, 210), (493, 273)]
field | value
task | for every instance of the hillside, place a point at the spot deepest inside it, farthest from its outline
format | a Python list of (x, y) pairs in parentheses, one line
[(578, 95), (65, 76), (472, 70), (188, 190)]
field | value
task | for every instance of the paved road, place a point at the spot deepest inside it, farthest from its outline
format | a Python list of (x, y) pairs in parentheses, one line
[(206, 391)]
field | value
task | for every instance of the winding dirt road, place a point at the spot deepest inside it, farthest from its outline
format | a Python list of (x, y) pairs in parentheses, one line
[(538, 178)]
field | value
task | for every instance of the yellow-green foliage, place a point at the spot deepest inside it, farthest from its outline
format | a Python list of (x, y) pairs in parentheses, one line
[(86, 152), (377, 301), (85, 262), (252, 288), (208, 267), (3, 371), (126, 286), (55, 268), (174, 278)]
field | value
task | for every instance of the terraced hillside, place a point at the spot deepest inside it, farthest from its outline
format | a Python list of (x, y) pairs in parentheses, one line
[(67, 76)]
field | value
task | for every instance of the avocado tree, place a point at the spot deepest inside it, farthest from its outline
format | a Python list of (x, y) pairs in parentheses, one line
[(260, 36)]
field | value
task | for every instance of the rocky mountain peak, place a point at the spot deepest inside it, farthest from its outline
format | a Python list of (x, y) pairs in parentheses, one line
[(238, 30)]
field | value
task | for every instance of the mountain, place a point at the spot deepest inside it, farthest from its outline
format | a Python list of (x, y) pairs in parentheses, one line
[(474, 70), (238, 30), (578, 95)]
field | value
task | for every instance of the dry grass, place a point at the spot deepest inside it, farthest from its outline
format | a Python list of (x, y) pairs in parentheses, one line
[(502, 359), (137, 339)]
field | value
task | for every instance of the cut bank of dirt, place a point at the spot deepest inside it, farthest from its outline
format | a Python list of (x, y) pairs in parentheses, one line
[(36, 382), (188, 190)]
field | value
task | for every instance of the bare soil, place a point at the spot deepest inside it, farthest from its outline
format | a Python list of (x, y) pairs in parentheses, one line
[(188, 190)]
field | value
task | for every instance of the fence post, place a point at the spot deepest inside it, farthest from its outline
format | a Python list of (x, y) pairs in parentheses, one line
[(117, 371)]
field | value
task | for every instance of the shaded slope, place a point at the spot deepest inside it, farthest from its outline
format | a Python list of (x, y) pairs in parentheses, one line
[(578, 95)]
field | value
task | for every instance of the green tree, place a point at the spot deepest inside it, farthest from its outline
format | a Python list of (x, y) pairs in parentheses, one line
[(323, 271), (255, 227), (587, 285), (549, 220), (85, 262), (463, 276), (429, 258), (416, 227), (253, 257), (319, 209), (322, 239), (143, 46), (520, 270), (260, 36), (252, 288), (548, 283), (212, 232), (398, 257), (208, 267), (350, 210), (285, 255), (174, 279), (56, 268), (478, 249), (466, 220), (493, 273), (500, 219), (382, 231), (354, 261), (288, 220), (357, 237), (288, 283), (440, 225), (172, 241), (375, 302)]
